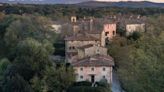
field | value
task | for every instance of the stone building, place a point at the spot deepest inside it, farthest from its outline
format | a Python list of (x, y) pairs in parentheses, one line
[(88, 58), (75, 28), (95, 33), (87, 23), (56, 28), (91, 50), (110, 30), (85, 49), (74, 42), (73, 19), (132, 27), (102, 29), (127, 24), (94, 68), (108, 33)]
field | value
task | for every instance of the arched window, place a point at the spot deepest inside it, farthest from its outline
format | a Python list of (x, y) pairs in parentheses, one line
[(73, 20)]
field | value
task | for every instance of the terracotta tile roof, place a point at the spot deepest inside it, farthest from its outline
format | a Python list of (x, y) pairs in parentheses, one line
[(81, 37), (134, 22), (97, 61), (94, 32), (109, 22), (86, 46)]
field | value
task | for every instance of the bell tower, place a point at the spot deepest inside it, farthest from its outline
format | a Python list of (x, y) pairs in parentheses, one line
[(73, 19)]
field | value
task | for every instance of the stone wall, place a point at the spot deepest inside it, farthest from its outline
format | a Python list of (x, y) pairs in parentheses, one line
[(130, 28), (110, 30), (92, 51), (108, 33), (84, 73), (71, 46)]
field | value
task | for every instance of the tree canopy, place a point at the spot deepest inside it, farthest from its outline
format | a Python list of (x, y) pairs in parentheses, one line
[(26, 44), (140, 62)]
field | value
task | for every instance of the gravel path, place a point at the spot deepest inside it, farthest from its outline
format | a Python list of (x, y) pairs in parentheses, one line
[(116, 84)]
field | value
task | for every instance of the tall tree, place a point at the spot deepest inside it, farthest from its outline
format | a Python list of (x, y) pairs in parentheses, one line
[(34, 54), (58, 80), (140, 63)]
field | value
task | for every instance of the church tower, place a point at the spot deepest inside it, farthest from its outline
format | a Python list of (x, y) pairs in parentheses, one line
[(73, 19)]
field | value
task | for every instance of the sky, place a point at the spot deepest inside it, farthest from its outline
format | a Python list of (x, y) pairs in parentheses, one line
[(74, 1)]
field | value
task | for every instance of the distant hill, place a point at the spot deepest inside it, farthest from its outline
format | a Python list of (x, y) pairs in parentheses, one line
[(90, 3), (132, 4)]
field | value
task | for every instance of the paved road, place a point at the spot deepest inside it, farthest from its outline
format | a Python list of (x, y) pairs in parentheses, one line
[(116, 84)]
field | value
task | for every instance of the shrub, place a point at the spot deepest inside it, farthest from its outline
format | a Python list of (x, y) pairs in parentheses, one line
[(87, 89), (135, 36), (82, 83)]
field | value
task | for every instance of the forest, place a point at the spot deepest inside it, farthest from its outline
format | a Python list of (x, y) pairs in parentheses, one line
[(65, 11), (26, 44), (140, 58), (25, 66)]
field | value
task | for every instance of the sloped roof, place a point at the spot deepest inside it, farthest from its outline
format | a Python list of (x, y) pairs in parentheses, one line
[(109, 21), (86, 46), (81, 37), (96, 61), (94, 32), (134, 22)]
